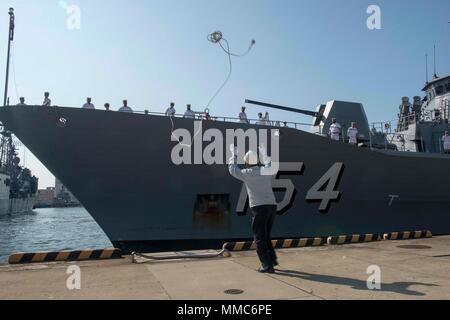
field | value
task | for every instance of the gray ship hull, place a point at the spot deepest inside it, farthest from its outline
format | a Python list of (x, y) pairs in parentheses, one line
[(17, 206), (13, 206), (119, 167)]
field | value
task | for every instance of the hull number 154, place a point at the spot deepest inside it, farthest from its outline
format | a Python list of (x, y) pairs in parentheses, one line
[(325, 191)]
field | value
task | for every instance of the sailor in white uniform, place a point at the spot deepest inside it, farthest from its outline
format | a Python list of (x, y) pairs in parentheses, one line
[(335, 130), (267, 119), (170, 112), (47, 102), (352, 134), (22, 102), (243, 116), (125, 107), (189, 114), (446, 142), (261, 121), (88, 104)]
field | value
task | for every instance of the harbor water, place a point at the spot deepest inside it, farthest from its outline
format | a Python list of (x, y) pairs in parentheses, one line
[(50, 230)]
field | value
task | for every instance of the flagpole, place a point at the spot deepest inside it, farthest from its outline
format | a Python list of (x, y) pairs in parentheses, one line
[(10, 39)]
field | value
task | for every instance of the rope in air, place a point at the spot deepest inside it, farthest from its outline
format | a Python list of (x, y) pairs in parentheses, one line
[(216, 38)]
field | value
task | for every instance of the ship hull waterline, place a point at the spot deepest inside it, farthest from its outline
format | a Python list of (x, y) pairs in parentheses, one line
[(119, 166)]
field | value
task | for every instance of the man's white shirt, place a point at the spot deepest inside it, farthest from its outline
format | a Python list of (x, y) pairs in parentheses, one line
[(126, 109), (243, 117), (47, 102), (335, 131), (189, 114), (446, 141), (170, 112), (261, 122), (353, 135), (88, 106)]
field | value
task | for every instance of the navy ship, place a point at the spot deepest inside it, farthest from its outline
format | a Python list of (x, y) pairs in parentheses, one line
[(120, 167), (18, 187)]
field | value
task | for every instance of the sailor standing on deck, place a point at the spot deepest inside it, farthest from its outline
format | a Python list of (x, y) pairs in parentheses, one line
[(267, 119), (258, 181), (88, 104), (22, 102), (47, 102), (446, 142), (352, 134), (335, 130), (189, 114), (261, 121), (170, 112), (125, 107), (243, 116)]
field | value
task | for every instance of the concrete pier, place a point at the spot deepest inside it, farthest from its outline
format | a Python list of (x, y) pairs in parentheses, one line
[(414, 269)]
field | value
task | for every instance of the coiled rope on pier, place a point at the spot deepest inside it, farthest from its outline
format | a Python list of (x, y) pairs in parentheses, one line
[(134, 255), (216, 38)]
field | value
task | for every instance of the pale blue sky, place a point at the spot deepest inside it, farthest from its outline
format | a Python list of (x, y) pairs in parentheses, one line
[(154, 52)]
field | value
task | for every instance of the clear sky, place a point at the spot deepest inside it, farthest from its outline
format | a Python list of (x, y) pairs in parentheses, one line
[(153, 52)]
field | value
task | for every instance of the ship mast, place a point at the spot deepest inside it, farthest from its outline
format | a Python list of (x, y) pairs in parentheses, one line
[(10, 39)]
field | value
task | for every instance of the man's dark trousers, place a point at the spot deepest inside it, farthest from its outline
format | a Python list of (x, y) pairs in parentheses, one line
[(263, 219)]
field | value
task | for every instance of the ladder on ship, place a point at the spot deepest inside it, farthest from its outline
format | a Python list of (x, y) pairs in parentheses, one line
[(445, 109)]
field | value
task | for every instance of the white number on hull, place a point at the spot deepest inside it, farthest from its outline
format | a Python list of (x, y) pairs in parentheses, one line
[(324, 190), (294, 168)]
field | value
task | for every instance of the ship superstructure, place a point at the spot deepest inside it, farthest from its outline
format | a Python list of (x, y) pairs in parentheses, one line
[(18, 187), (422, 123)]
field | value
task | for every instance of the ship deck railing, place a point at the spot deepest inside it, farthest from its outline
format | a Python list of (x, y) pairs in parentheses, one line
[(392, 137), (392, 129), (395, 126), (269, 123)]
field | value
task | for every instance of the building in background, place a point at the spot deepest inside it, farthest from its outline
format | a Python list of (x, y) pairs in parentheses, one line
[(46, 198), (56, 197), (63, 197)]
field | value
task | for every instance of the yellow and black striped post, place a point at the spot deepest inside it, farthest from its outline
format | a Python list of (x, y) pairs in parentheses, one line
[(408, 235), (64, 256), (277, 244), (340, 240)]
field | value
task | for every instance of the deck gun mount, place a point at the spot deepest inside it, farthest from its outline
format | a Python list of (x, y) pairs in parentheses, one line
[(344, 112)]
